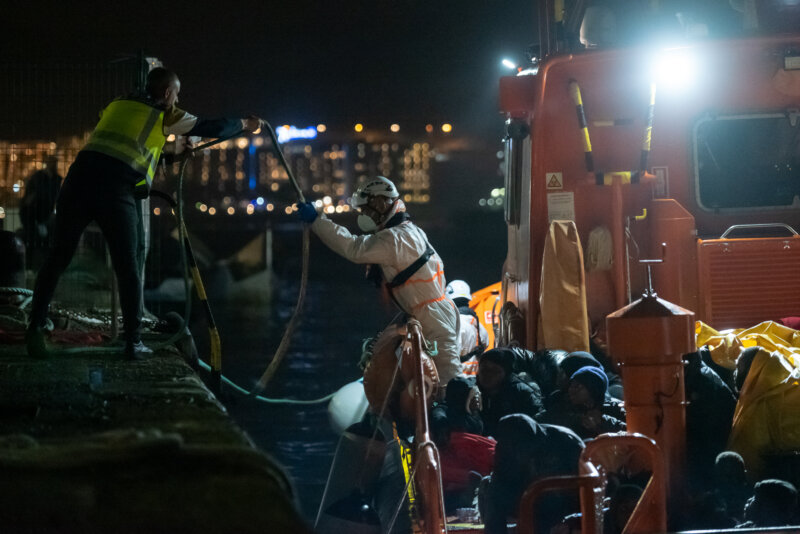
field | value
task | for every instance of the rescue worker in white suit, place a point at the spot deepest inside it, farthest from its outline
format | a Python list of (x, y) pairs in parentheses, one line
[(413, 271), (473, 338)]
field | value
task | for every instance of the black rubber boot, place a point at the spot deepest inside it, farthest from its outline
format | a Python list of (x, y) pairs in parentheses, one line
[(34, 341)]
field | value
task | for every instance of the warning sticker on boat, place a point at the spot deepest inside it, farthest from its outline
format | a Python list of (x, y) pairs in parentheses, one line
[(560, 207), (554, 180)]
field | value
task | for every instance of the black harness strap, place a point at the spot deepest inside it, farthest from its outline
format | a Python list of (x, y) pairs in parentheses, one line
[(403, 276)]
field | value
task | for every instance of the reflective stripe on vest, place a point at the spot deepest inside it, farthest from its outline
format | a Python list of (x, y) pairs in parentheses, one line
[(132, 132)]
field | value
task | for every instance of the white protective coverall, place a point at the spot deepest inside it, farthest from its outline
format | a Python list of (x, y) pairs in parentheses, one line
[(422, 296), (468, 341)]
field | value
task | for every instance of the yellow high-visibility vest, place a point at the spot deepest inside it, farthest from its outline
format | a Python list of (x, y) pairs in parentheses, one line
[(132, 132)]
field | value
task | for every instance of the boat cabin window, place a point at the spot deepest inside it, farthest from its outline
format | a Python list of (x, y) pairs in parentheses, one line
[(747, 161)]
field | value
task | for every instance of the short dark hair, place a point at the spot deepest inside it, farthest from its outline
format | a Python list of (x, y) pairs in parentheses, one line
[(158, 81)]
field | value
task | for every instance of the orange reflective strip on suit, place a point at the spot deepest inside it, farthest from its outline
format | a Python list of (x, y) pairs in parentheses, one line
[(421, 304), (470, 368), (439, 273)]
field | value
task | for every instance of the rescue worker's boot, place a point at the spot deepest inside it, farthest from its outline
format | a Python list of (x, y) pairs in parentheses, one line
[(137, 351), (34, 342)]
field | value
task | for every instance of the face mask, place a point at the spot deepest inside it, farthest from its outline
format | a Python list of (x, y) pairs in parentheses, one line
[(366, 223)]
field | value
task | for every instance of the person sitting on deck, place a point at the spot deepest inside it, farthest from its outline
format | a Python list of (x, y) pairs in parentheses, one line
[(502, 391), (773, 504), (465, 458), (462, 405), (583, 414), (558, 400), (472, 336), (528, 451)]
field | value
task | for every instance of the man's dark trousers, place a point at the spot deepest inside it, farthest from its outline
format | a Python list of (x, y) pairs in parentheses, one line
[(97, 188)]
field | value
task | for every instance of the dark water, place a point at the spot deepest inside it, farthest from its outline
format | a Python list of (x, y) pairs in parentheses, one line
[(341, 310)]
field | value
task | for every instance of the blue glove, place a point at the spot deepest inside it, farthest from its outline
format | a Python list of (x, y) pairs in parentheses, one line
[(306, 211)]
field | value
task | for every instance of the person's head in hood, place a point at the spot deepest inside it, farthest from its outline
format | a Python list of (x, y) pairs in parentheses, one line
[(462, 395), (495, 368), (773, 504), (572, 362), (587, 387), (463, 401)]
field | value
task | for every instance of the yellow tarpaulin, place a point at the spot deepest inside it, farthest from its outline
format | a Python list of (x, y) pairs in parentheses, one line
[(767, 417), (563, 320), (726, 345)]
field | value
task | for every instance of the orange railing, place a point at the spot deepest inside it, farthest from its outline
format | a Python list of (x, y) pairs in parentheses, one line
[(602, 455), (428, 468), (650, 514), (591, 486)]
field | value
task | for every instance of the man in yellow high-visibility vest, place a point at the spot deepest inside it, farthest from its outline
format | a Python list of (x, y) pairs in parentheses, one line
[(113, 170)]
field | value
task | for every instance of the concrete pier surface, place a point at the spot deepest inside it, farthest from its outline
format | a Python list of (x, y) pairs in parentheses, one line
[(94, 443)]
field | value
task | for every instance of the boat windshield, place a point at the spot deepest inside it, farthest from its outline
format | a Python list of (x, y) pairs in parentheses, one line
[(623, 23), (748, 161)]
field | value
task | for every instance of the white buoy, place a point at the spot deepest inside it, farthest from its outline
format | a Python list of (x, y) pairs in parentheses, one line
[(347, 406)]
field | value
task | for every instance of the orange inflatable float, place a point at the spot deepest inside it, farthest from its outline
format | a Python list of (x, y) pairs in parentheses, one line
[(389, 375)]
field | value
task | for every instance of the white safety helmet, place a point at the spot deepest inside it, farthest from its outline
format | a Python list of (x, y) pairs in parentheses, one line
[(458, 289), (380, 186)]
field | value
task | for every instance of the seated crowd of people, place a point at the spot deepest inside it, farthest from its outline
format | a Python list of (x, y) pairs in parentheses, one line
[(526, 415)]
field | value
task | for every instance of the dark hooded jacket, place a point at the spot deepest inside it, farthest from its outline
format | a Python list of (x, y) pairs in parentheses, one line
[(456, 395), (527, 451), (512, 397)]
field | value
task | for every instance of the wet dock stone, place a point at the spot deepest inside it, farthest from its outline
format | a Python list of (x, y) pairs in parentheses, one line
[(94, 443)]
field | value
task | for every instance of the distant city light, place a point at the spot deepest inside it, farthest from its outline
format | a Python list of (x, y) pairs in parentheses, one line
[(330, 209), (339, 209), (203, 208), (231, 210), (507, 63), (482, 202), (288, 210), (260, 201), (2, 213), (17, 186), (242, 142), (358, 127), (270, 206), (321, 128), (286, 133), (212, 211), (250, 209), (156, 211), (170, 138), (318, 203), (326, 200), (395, 128), (447, 127), (429, 128)]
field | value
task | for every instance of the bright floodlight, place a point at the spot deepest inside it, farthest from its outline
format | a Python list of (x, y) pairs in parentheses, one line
[(675, 70), (509, 64)]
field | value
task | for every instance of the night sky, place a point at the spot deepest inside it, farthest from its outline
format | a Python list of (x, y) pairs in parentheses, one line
[(301, 62)]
